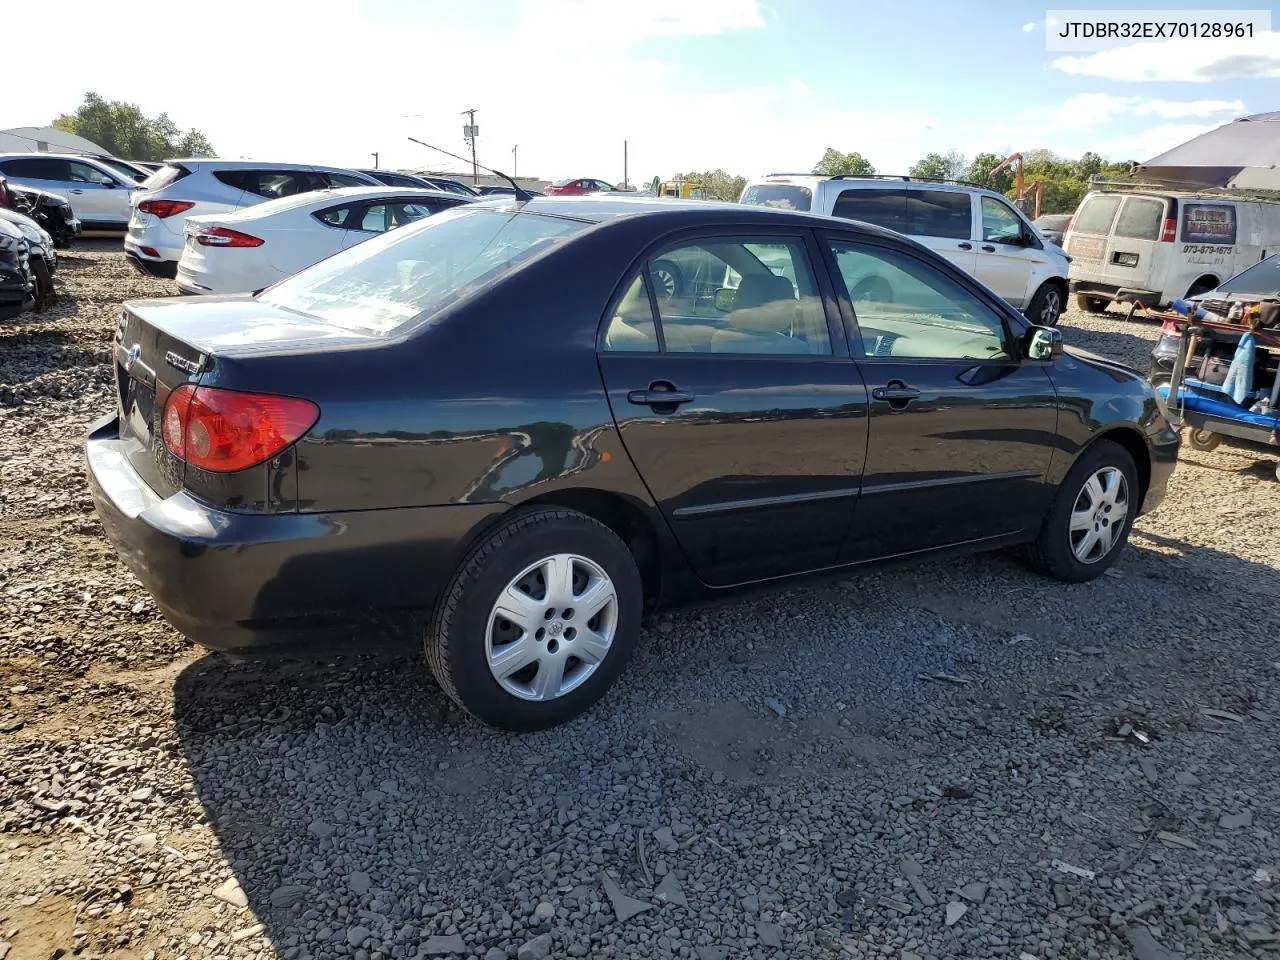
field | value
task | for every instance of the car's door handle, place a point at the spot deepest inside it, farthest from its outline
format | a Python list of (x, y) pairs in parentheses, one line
[(965, 246), (896, 393), (77, 191), (661, 395), (988, 248)]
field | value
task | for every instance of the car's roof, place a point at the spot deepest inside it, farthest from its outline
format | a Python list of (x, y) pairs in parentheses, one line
[(321, 198), (56, 156), (254, 164), (597, 208)]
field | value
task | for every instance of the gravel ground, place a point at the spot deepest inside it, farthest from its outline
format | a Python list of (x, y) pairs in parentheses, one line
[(958, 759)]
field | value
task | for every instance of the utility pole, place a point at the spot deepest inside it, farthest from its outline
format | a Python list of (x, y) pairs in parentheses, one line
[(514, 165), (375, 159), (469, 132), (624, 164)]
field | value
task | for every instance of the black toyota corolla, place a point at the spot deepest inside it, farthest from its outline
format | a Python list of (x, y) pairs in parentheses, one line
[(498, 417)]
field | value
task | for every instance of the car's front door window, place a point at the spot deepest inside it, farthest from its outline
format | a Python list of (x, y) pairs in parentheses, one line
[(999, 223), (83, 173), (906, 308)]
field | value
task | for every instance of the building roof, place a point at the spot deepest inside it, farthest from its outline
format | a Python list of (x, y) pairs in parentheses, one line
[(46, 140)]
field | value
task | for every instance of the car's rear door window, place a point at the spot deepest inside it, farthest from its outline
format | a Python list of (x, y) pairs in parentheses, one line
[(939, 213), (1096, 215), (272, 184), (906, 308), (753, 295), (884, 206), (1140, 218)]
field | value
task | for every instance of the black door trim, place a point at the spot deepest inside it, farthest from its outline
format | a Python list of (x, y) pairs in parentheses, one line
[(727, 506), (868, 490)]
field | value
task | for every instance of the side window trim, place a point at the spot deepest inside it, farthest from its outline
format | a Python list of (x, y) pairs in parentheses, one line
[(656, 314), (1012, 324)]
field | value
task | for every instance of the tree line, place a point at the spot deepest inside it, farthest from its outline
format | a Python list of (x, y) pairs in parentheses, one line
[(123, 131), (1063, 181)]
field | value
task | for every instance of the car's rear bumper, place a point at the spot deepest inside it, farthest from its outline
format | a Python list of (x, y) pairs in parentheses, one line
[(238, 580), (1111, 291), (165, 269)]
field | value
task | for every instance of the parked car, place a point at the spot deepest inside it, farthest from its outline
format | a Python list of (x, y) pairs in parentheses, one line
[(491, 415), (16, 284), (497, 191), (189, 188), (52, 212), (451, 185), (578, 187), (1156, 247), (977, 229), (253, 247), (99, 194), (1052, 226), (42, 258), (1257, 283), (394, 178)]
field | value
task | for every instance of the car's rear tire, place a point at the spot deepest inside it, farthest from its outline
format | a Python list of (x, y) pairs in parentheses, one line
[(1045, 308), (520, 597), (1081, 536), (1091, 304)]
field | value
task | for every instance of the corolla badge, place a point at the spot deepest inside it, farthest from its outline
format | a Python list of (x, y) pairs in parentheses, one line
[(132, 356), (182, 363)]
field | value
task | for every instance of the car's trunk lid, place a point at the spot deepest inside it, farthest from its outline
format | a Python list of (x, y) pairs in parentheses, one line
[(162, 344)]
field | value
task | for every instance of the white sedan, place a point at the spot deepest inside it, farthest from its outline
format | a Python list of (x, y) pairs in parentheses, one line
[(249, 249)]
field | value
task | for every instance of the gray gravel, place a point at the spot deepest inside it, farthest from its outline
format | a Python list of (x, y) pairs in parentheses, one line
[(951, 760)]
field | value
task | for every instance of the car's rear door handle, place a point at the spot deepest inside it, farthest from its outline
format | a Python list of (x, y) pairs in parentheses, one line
[(965, 246), (896, 393), (988, 248), (77, 192), (661, 394)]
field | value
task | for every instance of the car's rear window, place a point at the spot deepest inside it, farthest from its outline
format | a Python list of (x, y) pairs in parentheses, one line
[(1095, 215), (272, 184), (169, 173), (786, 196), (1140, 219), (389, 281)]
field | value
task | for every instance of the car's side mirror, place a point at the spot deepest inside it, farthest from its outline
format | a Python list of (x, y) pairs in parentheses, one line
[(724, 299), (1043, 344)]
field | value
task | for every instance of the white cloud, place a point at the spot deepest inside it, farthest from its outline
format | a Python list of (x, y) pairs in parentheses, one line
[(1179, 59), (1087, 111), (1029, 26), (1173, 109)]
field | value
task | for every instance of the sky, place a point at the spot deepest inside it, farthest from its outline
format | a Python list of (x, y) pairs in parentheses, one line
[(750, 86)]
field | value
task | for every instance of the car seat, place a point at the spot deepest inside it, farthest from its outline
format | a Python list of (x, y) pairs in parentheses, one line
[(762, 319)]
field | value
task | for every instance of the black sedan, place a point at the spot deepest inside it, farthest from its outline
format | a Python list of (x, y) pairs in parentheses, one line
[(498, 418)]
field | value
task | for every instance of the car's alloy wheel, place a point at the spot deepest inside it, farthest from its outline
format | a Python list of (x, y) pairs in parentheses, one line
[(538, 620), (666, 278), (1050, 307), (551, 627), (1090, 517), (1099, 514)]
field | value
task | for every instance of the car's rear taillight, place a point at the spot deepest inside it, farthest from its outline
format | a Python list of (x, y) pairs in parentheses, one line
[(225, 237), (165, 208), (223, 431), (1170, 230)]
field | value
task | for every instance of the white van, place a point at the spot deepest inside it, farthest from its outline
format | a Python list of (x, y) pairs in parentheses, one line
[(1155, 247), (977, 229)]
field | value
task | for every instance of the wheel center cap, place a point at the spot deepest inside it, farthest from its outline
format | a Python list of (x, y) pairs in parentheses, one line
[(555, 628)]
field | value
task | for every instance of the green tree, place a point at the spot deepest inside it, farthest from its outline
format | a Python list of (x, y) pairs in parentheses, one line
[(834, 164), (979, 171), (716, 184), (123, 131), (939, 166)]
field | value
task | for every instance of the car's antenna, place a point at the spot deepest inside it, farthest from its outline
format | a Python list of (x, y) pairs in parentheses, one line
[(522, 195)]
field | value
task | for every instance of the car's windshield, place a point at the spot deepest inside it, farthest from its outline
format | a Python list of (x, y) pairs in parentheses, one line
[(386, 282), (1262, 279), (783, 195)]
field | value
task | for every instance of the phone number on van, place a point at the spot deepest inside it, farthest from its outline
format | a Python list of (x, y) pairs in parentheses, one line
[(1205, 248)]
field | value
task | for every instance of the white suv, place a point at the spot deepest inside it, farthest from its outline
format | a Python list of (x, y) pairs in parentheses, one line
[(188, 188), (99, 194), (977, 229)]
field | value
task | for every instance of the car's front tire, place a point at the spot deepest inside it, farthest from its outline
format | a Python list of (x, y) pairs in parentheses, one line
[(1091, 515), (1045, 308), (538, 621)]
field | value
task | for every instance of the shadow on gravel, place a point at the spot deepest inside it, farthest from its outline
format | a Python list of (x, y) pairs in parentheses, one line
[(1123, 347), (360, 811)]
